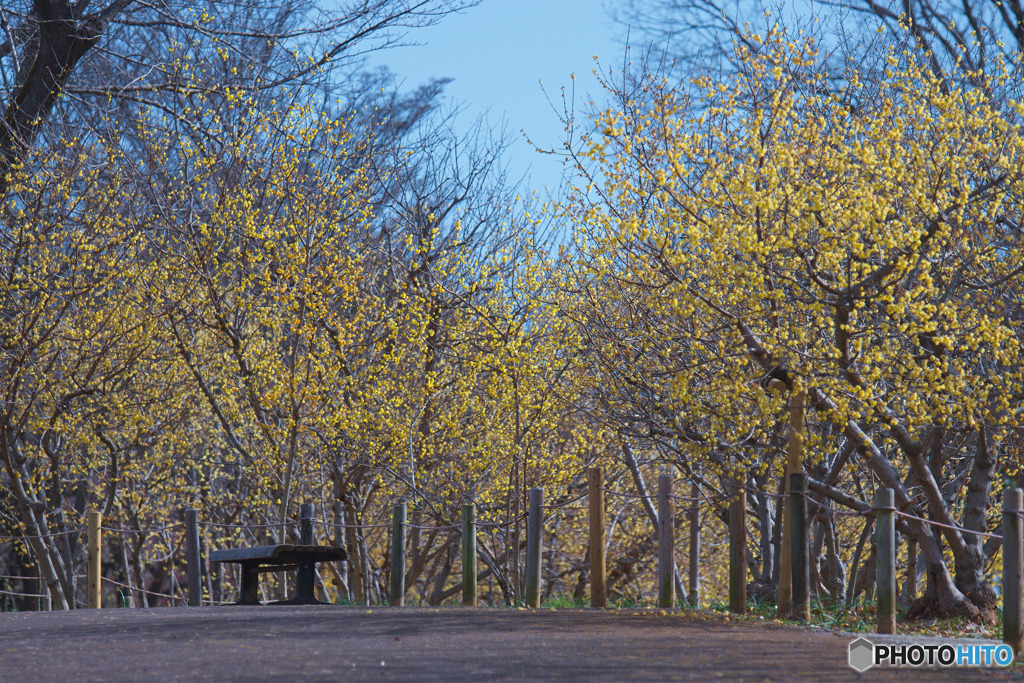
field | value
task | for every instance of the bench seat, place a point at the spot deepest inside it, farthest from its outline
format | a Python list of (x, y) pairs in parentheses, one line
[(283, 557)]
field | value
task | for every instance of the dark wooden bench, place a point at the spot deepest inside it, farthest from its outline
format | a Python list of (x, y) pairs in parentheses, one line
[(275, 558)]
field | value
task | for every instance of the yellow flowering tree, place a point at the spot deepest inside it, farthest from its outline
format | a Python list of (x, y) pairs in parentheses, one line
[(859, 246)]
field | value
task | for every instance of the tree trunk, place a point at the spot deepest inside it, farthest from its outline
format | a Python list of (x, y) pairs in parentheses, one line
[(969, 564), (47, 556), (63, 38)]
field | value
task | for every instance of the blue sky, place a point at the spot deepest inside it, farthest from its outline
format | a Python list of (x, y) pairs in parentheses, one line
[(499, 53)]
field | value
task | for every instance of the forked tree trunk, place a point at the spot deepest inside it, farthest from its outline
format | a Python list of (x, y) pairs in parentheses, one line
[(49, 563), (969, 563)]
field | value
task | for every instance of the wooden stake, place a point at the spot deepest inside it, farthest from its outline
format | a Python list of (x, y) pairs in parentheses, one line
[(192, 560), (305, 577), (1013, 569), (534, 529), (469, 590), (738, 553), (694, 515), (794, 465), (885, 571), (95, 550), (799, 559), (398, 556), (598, 571), (666, 544)]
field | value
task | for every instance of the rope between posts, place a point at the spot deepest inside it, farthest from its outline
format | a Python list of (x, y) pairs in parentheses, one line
[(707, 500), (142, 531), (897, 511), (245, 526), (871, 510), (949, 526), (625, 495), (140, 590), (845, 513), (25, 595), (355, 526), (565, 504), (763, 493), (703, 502), (8, 539), (434, 528)]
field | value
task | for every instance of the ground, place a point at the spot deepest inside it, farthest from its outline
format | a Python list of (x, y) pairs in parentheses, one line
[(415, 644)]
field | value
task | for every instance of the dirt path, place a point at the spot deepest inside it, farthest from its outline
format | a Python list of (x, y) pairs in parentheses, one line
[(416, 644)]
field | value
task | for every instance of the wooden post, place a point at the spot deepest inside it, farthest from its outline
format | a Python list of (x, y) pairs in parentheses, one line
[(666, 544), (398, 556), (738, 553), (598, 571), (799, 559), (306, 513), (305, 577), (192, 567), (469, 555), (1013, 569), (794, 465), (694, 516), (885, 571), (514, 574), (95, 550), (534, 529)]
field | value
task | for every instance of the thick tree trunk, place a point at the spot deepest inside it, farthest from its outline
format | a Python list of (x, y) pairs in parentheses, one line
[(969, 564)]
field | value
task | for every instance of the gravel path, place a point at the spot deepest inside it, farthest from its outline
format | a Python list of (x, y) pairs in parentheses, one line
[(422, 644)]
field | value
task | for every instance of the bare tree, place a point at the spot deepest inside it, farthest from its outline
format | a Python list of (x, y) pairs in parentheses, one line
[(152, 48)]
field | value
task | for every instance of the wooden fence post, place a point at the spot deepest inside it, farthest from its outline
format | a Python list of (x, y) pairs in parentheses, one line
[(666, 543), (305, 577), (398, 556), (598, 570), (885, 571), (694, 516), (794, 465), (469, 590), (800, 565), (534, 529), (738, 553), (306, 513), (95, 550), (1013, 569), (192, 568)]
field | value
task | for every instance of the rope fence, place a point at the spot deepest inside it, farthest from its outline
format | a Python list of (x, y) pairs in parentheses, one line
[(276, 525), (143, 531), (141, 590), (706, 502), (11, 539), (25, 595)]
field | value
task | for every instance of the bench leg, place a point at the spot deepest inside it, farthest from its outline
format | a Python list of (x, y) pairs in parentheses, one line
[(250, 585), (304, 581)]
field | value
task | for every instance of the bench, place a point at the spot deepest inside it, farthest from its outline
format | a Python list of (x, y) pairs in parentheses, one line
[(275, 558)]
